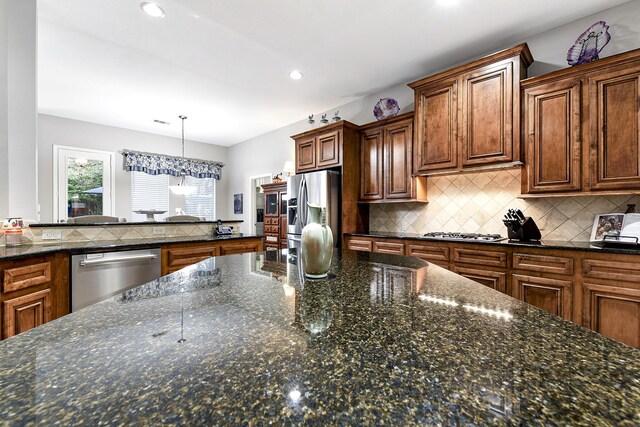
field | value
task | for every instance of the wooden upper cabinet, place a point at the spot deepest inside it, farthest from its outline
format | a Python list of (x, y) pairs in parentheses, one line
[(328, 146), (322, 148), (371, 164), (552, 136), (488, 134), (469, 116), (436, 119), (306, 154), (386, 159), (614, 105), (398, 160)]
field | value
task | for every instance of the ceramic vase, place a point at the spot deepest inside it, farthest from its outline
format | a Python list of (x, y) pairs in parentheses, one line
[(316, 244)]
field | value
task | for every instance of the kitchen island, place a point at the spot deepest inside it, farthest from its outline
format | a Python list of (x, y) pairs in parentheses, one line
[(245, 340)]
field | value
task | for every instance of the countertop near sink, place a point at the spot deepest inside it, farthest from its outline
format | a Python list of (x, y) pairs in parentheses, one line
[(545, 244), (384, 340), (16, 252)]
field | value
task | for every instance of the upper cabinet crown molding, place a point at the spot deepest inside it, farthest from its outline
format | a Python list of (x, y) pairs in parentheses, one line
[(468, 117), (581, 129)]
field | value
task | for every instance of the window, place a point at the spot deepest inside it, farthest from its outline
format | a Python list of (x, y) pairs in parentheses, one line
[(202, 203), (149, 192)]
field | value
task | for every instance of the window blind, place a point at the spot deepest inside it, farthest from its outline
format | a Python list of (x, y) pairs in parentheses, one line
[(149, 192), (202, 202)]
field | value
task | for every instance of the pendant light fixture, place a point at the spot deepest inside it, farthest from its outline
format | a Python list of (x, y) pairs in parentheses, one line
[(182, 188)]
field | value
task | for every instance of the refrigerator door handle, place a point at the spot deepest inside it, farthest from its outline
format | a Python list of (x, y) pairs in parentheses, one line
[(302, 202)]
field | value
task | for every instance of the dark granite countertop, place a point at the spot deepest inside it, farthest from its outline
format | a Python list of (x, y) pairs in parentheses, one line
[(15, 252), (385, 340), (544, 244)]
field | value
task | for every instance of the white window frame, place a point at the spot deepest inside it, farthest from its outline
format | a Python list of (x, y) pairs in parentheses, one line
[(60, 153)]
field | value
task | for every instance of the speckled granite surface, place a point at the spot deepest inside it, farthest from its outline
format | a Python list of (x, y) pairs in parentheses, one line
[(385, 340), (544, 244), (16, 252)]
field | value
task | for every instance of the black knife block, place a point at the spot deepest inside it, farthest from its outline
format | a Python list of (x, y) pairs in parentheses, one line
[(528, 230)]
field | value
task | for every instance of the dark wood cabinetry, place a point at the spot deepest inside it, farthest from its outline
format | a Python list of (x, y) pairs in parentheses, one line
[(180, 255), (469, 116), (582, 128), (322, 148), (386, 157), (34, 291), (600, 291), (275, 215)]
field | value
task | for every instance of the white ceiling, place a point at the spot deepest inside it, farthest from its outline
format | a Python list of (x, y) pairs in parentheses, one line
[(225, 63)]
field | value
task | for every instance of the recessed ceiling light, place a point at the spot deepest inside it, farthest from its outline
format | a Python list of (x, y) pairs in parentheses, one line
[(295, 75), (152, 9)]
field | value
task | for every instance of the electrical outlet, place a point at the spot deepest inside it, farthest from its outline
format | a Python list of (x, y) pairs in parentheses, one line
[(51, 235), (158, 231)]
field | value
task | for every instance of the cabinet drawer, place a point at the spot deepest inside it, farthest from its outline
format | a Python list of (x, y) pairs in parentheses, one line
[(272, 239), (541, 263), (492, 279), (436, 254), (26, 276), (239, 248), (474, 256), (388, 248), (618, 271), (360, 245), (184, 257)]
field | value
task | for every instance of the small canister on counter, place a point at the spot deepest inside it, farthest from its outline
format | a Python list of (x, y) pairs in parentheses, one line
[(12, 228)]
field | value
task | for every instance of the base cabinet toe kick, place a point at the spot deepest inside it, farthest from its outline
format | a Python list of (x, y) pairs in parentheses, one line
[(600, 291)]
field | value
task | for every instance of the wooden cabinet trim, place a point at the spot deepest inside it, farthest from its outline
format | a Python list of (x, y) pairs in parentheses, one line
[(475, 256), (26, 276), (542, 263), (388, 248), (371, 164), (306, 154), (492, 279), (328, 149), (38, 302), (429, 252), (618, 271), (398, 161)]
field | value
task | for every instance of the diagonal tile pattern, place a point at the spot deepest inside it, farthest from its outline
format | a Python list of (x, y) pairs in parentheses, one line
[(476, 203)]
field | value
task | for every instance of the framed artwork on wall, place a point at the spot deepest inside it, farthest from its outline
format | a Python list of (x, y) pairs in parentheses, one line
[(237, 203)]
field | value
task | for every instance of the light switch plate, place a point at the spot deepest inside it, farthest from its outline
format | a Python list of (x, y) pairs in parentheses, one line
[(158, 231), (51, 235)]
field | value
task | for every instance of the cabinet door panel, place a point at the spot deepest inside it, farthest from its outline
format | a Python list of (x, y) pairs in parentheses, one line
[(492, 279), (613, 312), (488, 116), (328, 149), (436, 145), (553, 137), (552, 295), (26, 312), (398, 141), (615, 129), (371, 161), (305, 154)]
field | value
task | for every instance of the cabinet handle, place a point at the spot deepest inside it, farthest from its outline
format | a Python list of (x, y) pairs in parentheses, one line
[(89, 262)]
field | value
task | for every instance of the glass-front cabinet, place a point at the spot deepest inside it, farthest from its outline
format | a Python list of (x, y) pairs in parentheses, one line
[(275, 215)]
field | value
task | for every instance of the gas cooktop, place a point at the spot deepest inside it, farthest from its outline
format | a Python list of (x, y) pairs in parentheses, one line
[(465, 236)]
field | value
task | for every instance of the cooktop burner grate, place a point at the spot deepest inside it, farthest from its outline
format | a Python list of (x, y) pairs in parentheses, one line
[(465, 236)]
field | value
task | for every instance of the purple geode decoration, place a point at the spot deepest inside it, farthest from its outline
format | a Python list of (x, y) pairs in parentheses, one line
[(385, 108), (589, 44)]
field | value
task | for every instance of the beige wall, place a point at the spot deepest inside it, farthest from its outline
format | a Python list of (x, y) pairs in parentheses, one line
[(476, 203), (60, 131)]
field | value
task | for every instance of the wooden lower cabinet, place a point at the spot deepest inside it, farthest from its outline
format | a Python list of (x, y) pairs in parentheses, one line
[(180, 255), (492, 279), (552, 295), (26, 312), (612, 311), (33, 291)]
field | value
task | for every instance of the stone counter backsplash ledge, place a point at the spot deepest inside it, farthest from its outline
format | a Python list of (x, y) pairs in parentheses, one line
[(476, 203), (113, 232)]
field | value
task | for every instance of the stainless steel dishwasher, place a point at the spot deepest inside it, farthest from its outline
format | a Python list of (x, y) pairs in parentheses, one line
[(96, 277)]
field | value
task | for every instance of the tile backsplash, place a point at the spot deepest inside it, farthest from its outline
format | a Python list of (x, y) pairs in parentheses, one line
[(476, 203)]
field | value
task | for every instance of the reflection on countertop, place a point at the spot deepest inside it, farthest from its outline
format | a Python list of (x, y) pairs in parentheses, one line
[(245, 339)]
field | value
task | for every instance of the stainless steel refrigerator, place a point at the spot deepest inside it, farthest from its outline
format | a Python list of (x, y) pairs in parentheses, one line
[(322, 188)]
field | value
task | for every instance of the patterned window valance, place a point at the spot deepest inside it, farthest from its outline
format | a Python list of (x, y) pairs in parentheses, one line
[(160, 164)]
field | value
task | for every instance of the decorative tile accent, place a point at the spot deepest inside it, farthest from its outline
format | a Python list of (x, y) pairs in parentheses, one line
[(476, 203)]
